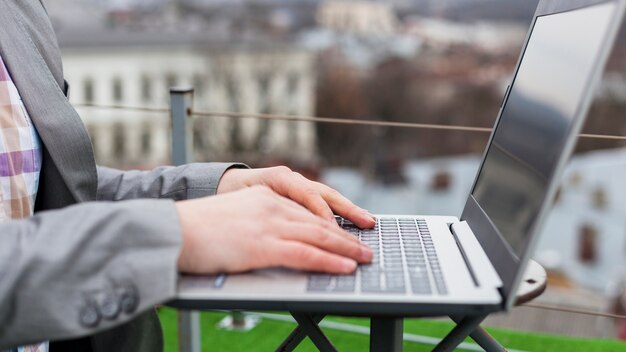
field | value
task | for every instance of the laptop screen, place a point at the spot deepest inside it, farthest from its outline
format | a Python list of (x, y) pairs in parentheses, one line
[(537, 118)]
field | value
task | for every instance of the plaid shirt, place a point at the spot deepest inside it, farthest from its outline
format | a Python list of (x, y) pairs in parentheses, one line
[(20, 161), (20, 153)]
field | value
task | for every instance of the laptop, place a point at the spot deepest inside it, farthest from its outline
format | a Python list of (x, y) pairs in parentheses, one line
[(443, 265)]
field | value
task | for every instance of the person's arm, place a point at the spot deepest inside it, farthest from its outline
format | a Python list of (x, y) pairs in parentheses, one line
[(73, 272), (177, 183), (204, 179)]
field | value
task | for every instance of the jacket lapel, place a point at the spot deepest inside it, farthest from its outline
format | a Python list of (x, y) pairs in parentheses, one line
[(57, 123)]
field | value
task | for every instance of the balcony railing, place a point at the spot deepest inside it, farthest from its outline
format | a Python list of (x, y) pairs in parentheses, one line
[(340, 121)]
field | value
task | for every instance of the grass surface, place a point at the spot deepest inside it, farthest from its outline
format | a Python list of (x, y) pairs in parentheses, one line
[(269, 334)]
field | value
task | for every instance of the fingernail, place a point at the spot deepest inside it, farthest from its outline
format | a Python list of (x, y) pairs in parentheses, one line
[(368, 214), (366, 252), (348, 266)]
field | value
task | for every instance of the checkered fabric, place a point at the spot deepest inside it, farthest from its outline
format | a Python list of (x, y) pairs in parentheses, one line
[(35, 348), (20, 153), (20, 162)]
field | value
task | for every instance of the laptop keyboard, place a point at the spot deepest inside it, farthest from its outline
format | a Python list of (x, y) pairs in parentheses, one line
[(405, 261)]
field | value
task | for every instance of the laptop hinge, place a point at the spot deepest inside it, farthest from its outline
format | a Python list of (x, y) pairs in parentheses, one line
[(480, 267)]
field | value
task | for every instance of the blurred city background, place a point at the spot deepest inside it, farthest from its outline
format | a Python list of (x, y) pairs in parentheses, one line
[(445, 62)]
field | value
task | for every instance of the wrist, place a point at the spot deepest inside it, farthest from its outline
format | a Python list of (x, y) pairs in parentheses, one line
[(183, 263), (228, 182)]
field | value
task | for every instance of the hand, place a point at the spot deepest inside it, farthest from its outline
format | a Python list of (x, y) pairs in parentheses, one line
[(318, 198), (256, 228)]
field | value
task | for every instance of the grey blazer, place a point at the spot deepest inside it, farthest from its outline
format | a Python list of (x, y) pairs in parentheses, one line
[(91, 263)]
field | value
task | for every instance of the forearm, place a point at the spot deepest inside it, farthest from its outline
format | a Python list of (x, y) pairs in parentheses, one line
[(56, 263), (177, 183)]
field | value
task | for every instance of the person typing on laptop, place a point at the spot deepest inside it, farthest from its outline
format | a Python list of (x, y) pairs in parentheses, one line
[(82, 262), (85, 268)]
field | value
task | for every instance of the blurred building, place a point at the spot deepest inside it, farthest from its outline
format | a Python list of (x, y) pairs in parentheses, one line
[(111, 64), (361, 17), (494, 37)]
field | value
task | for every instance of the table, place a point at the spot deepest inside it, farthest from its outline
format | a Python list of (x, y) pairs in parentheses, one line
[(386, 332)]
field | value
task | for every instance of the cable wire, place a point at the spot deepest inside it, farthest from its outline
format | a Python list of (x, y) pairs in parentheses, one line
[(121, 107), (574, 311), (341, 121)]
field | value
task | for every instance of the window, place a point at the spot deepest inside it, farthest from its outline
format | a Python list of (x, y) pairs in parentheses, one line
[(146, 140), (200, 85), (199, 142), (263, 83), (587, 244), (119, 142), (171, 80), (88, 91), (118, 92), (146, 89), (292, 131), (236, 144), (265, 107), (293, 87), (233, 97), (293, 84), (91, 130)]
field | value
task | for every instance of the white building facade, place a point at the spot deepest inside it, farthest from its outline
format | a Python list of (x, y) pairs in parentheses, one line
[(358, 17), (226, 78)]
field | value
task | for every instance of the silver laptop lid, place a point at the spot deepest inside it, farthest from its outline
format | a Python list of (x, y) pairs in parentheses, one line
[(562, 60)]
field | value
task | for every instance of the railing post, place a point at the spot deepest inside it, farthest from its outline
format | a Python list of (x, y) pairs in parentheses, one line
[(181, 102)]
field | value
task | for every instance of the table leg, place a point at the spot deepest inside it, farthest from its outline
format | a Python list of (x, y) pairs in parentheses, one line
[(310, 327), (463, 329), (484, 339), (386, 334), (189, 333), (297, 335)]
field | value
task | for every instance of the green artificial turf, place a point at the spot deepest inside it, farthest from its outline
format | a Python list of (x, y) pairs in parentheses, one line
[(269, 334)]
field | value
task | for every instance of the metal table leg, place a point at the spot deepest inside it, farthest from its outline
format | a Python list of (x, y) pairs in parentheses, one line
[(464, 328), (386, 334), (483, 338), (189, 333), (297, 335), (486, 341), (310, 328)]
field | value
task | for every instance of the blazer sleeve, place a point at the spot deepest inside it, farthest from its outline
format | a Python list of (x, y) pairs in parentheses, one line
[(86, 268), (172, 182)]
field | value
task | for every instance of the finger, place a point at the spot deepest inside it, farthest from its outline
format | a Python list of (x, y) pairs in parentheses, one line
[(304, 192), (326, 239), (297, 213), (345, 208), (302, 256)]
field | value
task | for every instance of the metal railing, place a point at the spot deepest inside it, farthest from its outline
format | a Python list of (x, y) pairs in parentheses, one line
[(331, 120), (182, 114)]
